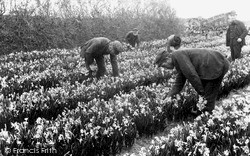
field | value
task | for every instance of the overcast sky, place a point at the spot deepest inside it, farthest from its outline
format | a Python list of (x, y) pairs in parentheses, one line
[(209, 8)]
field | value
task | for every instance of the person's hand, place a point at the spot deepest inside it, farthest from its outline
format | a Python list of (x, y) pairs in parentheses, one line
[(239, 40), (90, 73), (167, 96), (202, 93)]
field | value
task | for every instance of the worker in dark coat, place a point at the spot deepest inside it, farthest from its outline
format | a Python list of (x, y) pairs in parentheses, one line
[(95, 49), (132, 37), (235, 37), (203, 68)]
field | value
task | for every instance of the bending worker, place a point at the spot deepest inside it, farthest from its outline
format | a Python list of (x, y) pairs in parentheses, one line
[(132, 37), (203, 68), (96, 48)]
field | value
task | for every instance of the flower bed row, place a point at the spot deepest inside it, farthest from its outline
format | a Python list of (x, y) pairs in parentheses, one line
[(186, 42), (37, 55), (53, 77), (226, 132), (11, 69), (49, 103)]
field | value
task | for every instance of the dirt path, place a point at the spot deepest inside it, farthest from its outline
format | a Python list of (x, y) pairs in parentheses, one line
[(142, 144)]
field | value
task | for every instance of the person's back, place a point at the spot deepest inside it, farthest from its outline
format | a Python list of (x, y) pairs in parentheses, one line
[(203, 68), (96, 48), (208, 63)]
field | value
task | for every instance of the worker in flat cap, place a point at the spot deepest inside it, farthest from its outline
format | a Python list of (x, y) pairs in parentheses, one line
[(203, 68), (96, 48), (132, 37)]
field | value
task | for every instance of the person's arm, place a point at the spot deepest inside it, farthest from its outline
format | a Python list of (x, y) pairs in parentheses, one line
[(168, 47), (128, 36), (179, 84), (113, 59), (244, 30), (137, 40), (82, 51), (170, 39), (228, 37)]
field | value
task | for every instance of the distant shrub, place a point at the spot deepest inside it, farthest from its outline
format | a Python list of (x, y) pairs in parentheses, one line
[(37, 28)]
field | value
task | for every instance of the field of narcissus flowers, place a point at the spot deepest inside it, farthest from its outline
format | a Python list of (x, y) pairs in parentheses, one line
[(48, 105), (224, 133)]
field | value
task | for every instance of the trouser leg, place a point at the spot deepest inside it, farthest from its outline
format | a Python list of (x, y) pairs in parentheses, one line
[(212, 88), (101, 66), (132, 43), (235, 51), (88, 61), (232, 52)]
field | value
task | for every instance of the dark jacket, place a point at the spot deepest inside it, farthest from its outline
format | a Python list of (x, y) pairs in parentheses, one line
[(236, 30), (196, 65), (132, 39), (97, 46)]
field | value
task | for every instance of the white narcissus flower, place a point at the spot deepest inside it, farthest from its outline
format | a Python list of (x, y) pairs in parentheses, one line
[(189, 139), (81, 131), (246, 149), (227, 129), (226, 153), (206, 152), (210, 122), (4, 134), (19, 142), (105, 132), (247, 141), (60, 137)]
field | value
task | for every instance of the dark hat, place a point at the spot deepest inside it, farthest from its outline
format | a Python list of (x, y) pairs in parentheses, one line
[(176, 41)]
